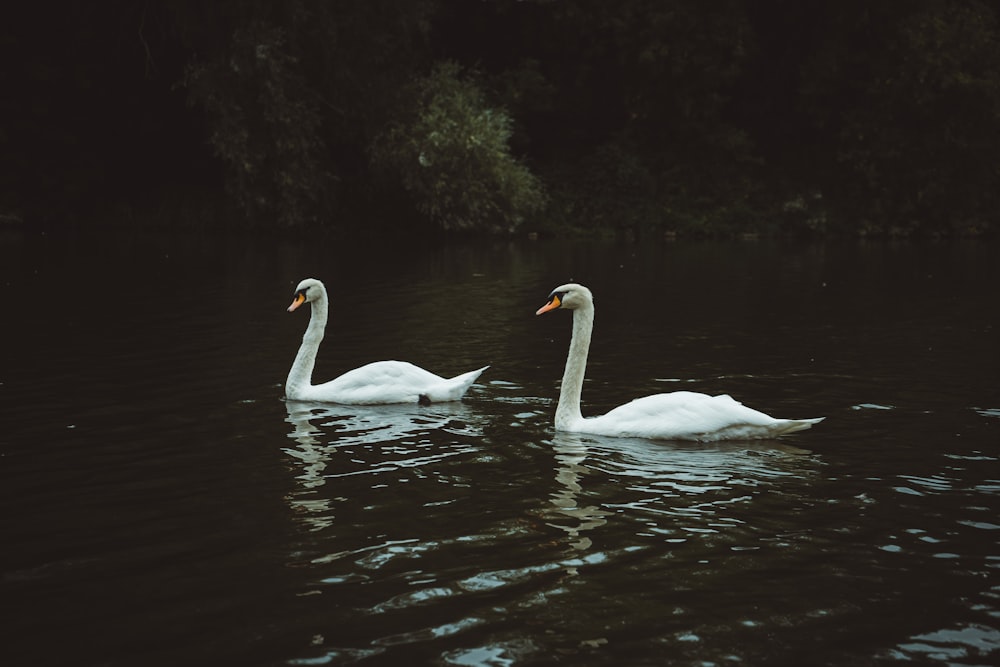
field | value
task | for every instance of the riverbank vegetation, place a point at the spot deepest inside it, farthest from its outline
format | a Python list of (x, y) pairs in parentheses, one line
[(644, 117)]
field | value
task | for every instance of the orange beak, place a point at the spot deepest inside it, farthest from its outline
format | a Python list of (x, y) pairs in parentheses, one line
[(551, 305), (299, 299)]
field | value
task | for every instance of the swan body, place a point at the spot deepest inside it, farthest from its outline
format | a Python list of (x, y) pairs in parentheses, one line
[(679, 415), (380, 382)]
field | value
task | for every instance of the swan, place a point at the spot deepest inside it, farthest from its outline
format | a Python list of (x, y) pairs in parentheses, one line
[(679, 415), (378, 383)]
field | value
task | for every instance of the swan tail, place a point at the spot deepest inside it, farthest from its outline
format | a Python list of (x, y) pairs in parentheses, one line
[(793, 425), (775, 429), (452, 389)]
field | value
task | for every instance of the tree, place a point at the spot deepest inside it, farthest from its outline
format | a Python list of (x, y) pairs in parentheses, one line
[(450, 151), (296, 95), (264, 126), (907, 102)]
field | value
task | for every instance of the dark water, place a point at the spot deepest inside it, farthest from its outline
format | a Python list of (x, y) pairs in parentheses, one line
[(161, 505)]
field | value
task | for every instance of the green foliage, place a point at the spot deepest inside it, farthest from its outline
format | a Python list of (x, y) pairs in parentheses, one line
[(263, 125), (450, 151), (711, 118)]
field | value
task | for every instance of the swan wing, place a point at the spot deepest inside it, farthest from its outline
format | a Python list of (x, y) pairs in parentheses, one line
[(685, 415), (385, 382)]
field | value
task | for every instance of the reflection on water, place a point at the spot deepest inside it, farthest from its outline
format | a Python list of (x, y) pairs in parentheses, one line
[(673, 479), (669, 492), (334, 441), (570, 455), (481, 561)]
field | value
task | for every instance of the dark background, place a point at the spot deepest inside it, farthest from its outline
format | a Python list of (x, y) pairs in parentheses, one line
[(764, 116)]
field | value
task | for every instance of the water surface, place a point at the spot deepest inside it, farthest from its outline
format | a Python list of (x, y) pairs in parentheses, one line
[(163, 505)]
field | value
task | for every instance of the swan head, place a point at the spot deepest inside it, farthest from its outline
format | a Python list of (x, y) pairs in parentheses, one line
[(308, 290), (570, 296)]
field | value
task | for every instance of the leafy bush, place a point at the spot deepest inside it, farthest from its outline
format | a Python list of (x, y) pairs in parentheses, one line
[(450, 152)]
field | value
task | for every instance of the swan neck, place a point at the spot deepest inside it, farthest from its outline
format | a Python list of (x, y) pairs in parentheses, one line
[(300, 375), (571, 389)]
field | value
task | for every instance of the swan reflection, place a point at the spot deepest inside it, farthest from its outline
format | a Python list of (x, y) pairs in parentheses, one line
[(570, 454), (335, 441), (672, 489)]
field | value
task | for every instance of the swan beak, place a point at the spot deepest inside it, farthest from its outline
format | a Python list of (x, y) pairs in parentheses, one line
[(553, 303), (299, 299)]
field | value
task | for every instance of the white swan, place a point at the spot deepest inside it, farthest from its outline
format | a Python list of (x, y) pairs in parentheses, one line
[(381, 382), (679, 415)]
